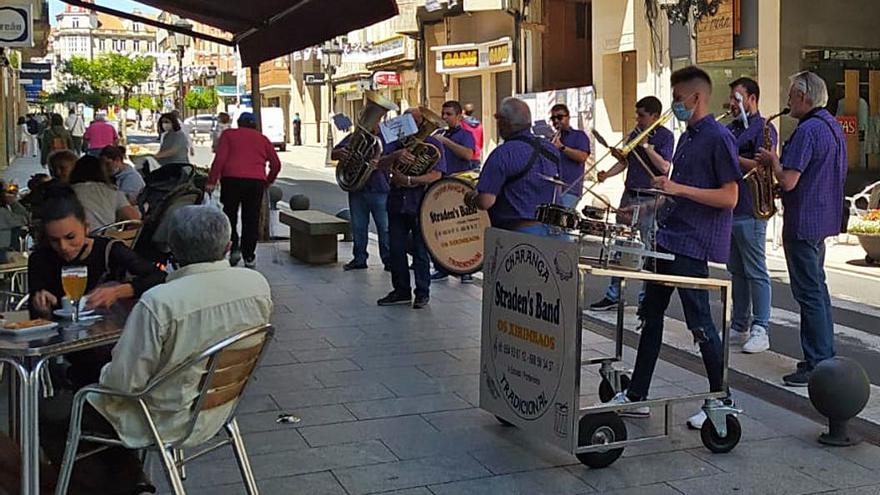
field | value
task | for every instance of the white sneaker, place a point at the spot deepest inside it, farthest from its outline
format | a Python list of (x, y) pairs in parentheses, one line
[(758, 341), (738, 338), (696, 421), (636, 412)]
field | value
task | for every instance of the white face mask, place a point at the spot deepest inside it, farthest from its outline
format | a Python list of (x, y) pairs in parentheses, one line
[(167, 127)]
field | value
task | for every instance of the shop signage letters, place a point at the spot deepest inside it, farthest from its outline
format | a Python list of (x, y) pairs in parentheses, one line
[(16, 26), (314, 78), (30, 70), (461, 58), (849, 124), (715, 35), (387, 78)]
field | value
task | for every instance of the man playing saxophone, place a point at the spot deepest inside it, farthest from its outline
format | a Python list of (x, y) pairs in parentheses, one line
[(403, 220), (747, 263)]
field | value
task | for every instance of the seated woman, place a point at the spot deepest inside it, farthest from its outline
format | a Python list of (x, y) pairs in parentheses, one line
[(13, 218), (103, 203), (64, 242), (174, 146)]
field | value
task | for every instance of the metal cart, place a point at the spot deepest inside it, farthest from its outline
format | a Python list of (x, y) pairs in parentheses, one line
[(534, 295)]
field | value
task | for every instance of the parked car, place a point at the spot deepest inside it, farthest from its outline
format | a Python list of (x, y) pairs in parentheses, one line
[(200, 124)]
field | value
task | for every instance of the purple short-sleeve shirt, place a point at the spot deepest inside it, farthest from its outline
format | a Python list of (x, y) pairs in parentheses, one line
[(747, 143), (454, 163), (570, 171), (705, 158), (406, 200), (517, 199), (817, 149), (663, 142)]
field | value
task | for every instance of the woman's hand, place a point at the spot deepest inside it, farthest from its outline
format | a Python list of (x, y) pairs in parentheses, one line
[(106, 295), (43, 301)]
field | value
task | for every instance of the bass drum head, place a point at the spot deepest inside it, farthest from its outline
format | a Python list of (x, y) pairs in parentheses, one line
[(453, 232)]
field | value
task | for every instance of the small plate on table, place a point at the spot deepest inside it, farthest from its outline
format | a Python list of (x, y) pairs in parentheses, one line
[(67, 313), (26, 326)]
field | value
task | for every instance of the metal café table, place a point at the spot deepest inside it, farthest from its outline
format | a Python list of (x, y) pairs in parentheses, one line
[(28, 354)]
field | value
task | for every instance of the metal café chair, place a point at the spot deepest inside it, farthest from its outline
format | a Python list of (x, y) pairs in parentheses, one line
[(126, 231), (229, 366)]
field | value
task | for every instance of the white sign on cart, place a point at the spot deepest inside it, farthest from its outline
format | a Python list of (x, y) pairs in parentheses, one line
[(531, 322)]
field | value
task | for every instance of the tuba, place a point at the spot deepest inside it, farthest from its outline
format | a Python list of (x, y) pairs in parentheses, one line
[(427, 155), (364, 146), (760, 180)]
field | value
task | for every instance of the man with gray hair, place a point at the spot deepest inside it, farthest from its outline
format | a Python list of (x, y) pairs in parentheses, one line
[(811, 173), (511, 185)]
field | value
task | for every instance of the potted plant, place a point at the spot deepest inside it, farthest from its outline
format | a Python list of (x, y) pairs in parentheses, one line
[(867, 229)]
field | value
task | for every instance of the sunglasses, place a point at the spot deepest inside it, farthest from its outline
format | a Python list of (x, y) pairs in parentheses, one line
[(558, 116)]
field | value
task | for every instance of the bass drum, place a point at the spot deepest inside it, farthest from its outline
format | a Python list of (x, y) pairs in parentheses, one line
[(453, 231)]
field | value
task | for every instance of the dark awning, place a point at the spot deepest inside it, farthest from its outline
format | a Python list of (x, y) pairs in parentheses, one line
[(267, 29)]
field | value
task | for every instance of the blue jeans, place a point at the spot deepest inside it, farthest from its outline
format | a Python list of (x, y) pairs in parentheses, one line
[(399, 228), (748, 272), (697, 315), (806, 269), (362, 205)]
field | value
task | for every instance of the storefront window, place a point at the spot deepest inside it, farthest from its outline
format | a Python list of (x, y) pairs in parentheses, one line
[(470, 90), (503, 89)]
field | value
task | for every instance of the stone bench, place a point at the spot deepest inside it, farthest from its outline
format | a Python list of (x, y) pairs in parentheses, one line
[(313, 234)]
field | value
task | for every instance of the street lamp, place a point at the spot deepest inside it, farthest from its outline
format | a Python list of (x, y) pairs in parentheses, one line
[(331, 55), (179, 42)]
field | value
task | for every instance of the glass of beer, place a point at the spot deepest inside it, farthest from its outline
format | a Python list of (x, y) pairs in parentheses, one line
[(74, 279)]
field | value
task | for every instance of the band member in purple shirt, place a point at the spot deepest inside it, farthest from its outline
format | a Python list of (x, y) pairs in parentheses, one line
[(748, 261), (371, 200), (574, 150), (696, 229), (511, 186), (403, 223), (655, 152), (459, 147), (811, 172)]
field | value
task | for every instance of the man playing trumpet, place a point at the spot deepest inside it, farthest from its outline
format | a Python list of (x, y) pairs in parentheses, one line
[(574, 150)]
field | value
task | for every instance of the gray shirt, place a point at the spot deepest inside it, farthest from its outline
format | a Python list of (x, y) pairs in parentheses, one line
[(175, 140), (130, 182), (101, 202)]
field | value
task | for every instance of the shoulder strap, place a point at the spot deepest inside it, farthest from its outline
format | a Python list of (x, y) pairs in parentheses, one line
[(537, 150)]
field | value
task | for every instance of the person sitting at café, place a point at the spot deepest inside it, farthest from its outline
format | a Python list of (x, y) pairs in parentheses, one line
[(13, 218), (127, 179), (103, 202), (115, 272), (61, 165), (202, 303)]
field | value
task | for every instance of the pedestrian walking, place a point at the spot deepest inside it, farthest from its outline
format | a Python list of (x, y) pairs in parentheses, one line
[(100, 134), (174, 144), (224, 121), (297, 130), (55, 138), (24, 137), (77, 127)]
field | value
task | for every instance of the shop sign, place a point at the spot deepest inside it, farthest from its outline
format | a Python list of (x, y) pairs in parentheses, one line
[(715, 35), (16, 26), (314, 78), (460, 58), (499, 54), (849, 124), (387, 78), (30, 70), (529, 334)]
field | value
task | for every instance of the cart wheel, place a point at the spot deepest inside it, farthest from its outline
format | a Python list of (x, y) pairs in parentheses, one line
[(503, 421), (869, 260), (597, 429), (606, 391), (714, 442)]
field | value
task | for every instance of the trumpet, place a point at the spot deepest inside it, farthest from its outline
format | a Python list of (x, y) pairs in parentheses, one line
[(621, 153)]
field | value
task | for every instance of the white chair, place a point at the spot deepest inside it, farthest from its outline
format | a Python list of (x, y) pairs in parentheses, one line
[(228, 368)]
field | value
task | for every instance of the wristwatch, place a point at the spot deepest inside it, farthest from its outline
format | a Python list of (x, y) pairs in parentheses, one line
[(562, 147)]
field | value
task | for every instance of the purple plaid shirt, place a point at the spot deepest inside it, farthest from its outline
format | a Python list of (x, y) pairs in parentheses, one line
[(406, 200), (454, 163), (378, 181), (570, 171), (517, 200), (747, 142), (817, 149), (663, 142), (705, 158)]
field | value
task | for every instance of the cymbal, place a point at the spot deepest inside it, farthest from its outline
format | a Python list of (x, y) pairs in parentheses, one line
[(553, 180)]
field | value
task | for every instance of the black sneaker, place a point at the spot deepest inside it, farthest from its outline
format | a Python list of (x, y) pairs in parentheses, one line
[(439, 276), (352, 265), (234, 257), (421, 302), (394, 298), (467, 279), (800, 378), (603, 305)]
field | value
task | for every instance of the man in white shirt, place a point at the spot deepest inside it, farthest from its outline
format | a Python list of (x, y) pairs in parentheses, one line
[(77, 127), (200, 304)]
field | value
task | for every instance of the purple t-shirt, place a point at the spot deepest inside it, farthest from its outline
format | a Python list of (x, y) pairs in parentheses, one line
[(570, 171), (817, 149), (517, 196), (378, 181), (747, 142), (663, 142), (454, 163), (705, 158), (406, 200)]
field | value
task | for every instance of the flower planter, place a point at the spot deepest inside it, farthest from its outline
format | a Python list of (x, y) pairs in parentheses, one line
[(871, 244)]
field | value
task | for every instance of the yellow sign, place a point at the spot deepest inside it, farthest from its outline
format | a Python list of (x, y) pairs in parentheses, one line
[(499, 54), (715, 35), (460, 59)]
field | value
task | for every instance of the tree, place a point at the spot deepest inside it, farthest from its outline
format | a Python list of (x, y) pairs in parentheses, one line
[(142, 102), (201, 99)]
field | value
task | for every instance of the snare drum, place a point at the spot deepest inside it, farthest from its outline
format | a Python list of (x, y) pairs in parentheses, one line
[(558, 216)]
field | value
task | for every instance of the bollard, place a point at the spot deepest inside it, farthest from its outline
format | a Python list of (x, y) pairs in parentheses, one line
[(299, 202), (275, 195), (839, 389), (345, 214)]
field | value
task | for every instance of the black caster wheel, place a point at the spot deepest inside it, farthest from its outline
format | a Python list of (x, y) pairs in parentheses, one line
[(503, 421), (606, 391), (713, 441), (869, 260), (598, 429)]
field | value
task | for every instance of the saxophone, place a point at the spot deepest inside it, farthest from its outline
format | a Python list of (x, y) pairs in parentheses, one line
[(427, 155), (760, 180), (364, 146)]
